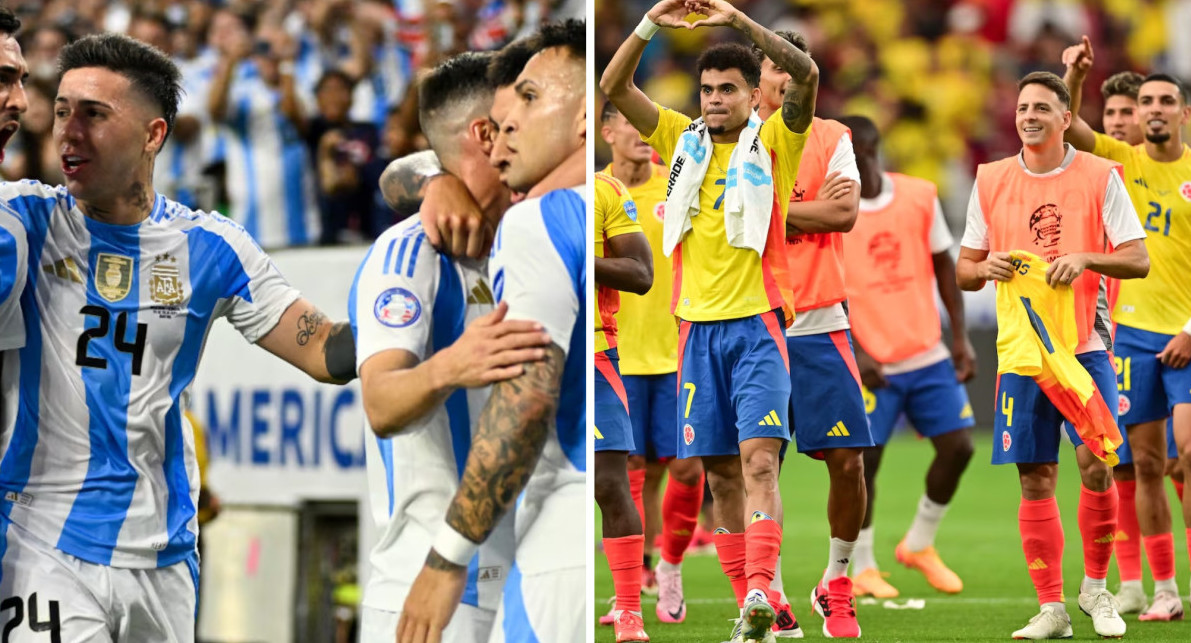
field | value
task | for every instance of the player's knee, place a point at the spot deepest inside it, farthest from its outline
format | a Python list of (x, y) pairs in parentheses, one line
[(1148, 464), (959, 452), (845, 465), (760, 465), (1096, 476), (686, 471), (608, 484)]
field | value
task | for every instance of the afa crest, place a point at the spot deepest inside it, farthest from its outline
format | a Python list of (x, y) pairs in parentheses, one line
[(113, 276), (165, 283)]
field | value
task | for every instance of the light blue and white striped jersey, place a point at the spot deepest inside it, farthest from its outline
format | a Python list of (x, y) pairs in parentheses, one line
[(538, 267), (270, 181), (408, 296), (14, 253), (373, 95), (96, 460)]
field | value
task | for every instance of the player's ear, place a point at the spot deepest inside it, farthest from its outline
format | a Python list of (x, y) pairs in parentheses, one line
[(155, 137), (480, 131), (755, 97), (606, 134), (581, 121)]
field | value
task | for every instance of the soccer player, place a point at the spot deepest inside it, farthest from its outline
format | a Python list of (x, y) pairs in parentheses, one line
[(531, 437), (14, 249), (1060, 204), (425, 325), (729, 267), (1153, 337), (627, 265), (97, 470), (648, 348), (822, 366), (899, 250)]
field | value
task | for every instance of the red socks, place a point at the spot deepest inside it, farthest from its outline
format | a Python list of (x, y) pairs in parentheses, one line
[(637, 491), (731, 551), (624, 559), (1042, 542), (1160, 553), (1128, 539), (1097, 526), (680, 516), (1178, 489), (763, 543)]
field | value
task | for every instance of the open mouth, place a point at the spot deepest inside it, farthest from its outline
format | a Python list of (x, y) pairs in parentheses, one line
[(6, 133), (71, 163)]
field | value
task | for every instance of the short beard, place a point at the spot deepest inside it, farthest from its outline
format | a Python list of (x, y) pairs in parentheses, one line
[(716, 131), (1158, 139)]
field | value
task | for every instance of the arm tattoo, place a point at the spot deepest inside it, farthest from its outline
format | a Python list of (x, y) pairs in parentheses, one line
[(308, 325), (797, 107), (509, 439), (434, 561), (403, 183)]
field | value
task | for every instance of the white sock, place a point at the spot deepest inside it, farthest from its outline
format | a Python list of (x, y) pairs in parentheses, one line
[(777, 585), (1168, 585), (1128, 584), (926, 522), (840, 556), (665, 566), (1061, 607), (1090, 585), (862, 557)]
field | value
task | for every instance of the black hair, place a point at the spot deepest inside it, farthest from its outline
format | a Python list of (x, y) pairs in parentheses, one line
[(455, 80), (570, 34), (506, 64), (731, 55), (608, 111), (1049, 81), (1167, 78), (792, 37), (334, 74), (864, 131), (9, 22), (149, 70)]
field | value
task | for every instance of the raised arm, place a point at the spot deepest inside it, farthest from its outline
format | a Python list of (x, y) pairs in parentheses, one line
[(303, 337), (1078, 59), (617, 81)]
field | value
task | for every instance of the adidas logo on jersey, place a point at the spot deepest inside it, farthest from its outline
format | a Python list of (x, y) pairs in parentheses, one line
[(485, 574), (480, 294), (839, 430), (64, 269), (770, 420), (1038, 564)]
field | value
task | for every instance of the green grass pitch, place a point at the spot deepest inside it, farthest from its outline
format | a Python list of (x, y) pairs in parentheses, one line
[(978, 539)]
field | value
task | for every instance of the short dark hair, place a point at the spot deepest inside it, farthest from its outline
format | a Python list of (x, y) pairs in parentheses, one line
[(9, 22), (570, 34), (334, 74), (731, 55), (507, 63), (864, 131), (455, 81), (1167, 78), (1125, 83), (1049, 81), (150, 71), (792, 37), (608, 111)]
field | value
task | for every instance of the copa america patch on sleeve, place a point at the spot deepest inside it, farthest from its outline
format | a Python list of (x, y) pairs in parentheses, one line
[(397, 308)]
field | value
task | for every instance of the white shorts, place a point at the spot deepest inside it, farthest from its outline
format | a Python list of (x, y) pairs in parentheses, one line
[(49, 595), (468, 625), (550, 606)]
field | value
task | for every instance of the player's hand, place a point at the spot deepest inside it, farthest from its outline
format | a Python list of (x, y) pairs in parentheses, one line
[(431, 602), (997, 267), (1177, 353), (1079, 56), (835, 186), (1066, 269), (718, 12), (671, 14), (870, 372), (453, 220), (963, 357), (492, 349)]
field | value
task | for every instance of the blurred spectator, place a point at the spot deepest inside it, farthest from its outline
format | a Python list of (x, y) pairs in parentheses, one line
[(341, 148)]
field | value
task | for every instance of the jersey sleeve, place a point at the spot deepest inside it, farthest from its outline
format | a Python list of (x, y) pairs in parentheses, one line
[(787, 148), (258, 296), (843, 159), (1110, 148), (976, 228), (391, 300), (538, 262), (665, 135), (1121, 222), (14, 255), (940, 235), (618, 208)]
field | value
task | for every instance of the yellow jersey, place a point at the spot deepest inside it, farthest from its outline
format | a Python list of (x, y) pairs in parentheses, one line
[(647, 334), (713, 280), (1161, 193), (615, 214)]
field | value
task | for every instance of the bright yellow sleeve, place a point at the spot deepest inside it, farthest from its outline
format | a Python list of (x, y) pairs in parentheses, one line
[(1110, 148), (787, 149), (670, 126), (619, 212)]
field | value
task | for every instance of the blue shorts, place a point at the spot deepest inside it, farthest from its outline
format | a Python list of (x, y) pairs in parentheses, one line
[(1027, 423), (827, 406), (734, 384), (613, 432), (652, 401), (1126, 454), (1149, 389), (932, 399)]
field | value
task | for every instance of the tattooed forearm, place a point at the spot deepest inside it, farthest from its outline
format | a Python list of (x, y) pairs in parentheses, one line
[(308, 325), (434, 561), (403, 183), (798, 108), (509, 439)]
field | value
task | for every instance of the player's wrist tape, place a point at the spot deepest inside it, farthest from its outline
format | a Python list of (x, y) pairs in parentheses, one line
[(454, 546), (646, 29)]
